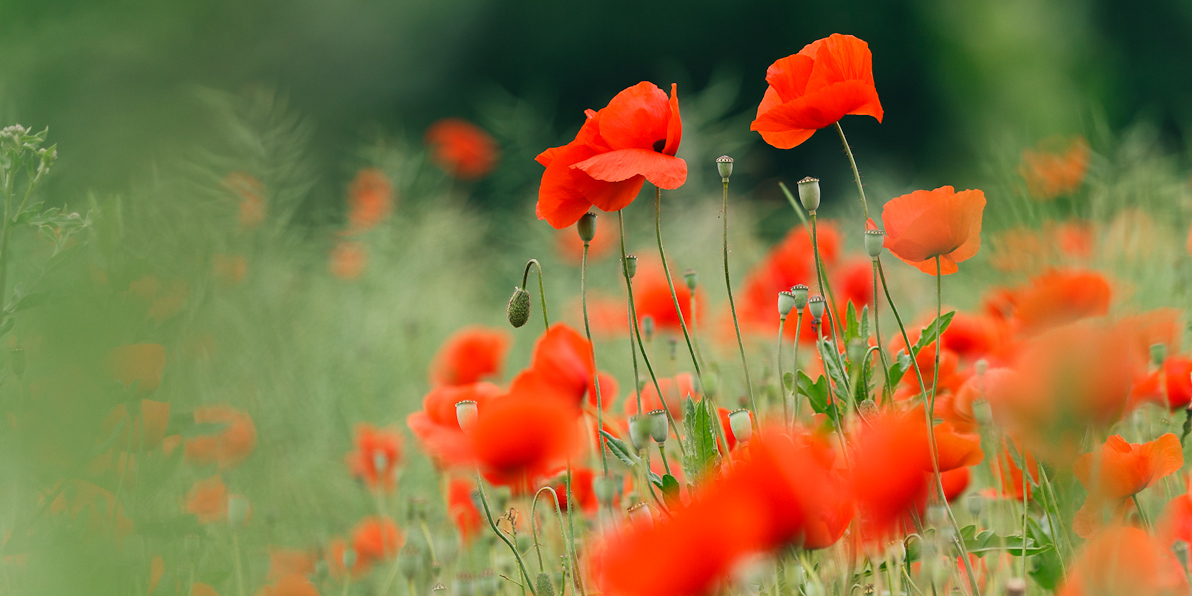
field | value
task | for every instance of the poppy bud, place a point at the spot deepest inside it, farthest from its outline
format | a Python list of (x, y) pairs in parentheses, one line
[(586, 226), (659, 426), (465, 414), (464, 586), (1158, 354), (518, 310), (349, 558), (238, 510), (487, 583), (874, 239), (692, 279), (975, 504), (605, 488), (800, 291), (408, 560), (17, 361), (710, 383), (1016, 586), (786, 301), (545, 586), (648, 327), (639, 432), (742, 425), (809, 194), (936, 516), (816, 305), (630, 265), (724, 165), (640, 515)]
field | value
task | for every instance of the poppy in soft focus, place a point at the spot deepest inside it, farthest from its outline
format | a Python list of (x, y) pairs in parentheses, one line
[(1050, 174), (926, 224), (139, 363), (652, 298), (148, 428), (376, 458), (436, 426), (229, 446), (335, 554), (462, 509), (788, 263), (377, 539), (619, 147), (461, 148), (1009, 475), (251, 195), (523, 435), (348, 260), (1169, 387), (370, 198), (1124, 560), (571, 247), (1118, 470), (290, 585), (674, 390), (891, 456), (208, 499), (563, 365), (581, 488), (471, 354), (285, 561), (1061, 296), (827, 80)]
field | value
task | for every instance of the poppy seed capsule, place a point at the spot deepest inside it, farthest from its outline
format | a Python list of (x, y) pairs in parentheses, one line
[(518, 310), (659, 425), (586, 226), (809, 193), (464, 586), (975, 504), (466, 412), (816, 306), (605, 488), (741, 424), (408, 561), (640, 515), (349, 558), (724, 165), (630, 265), (639, 432), (800, 292), (545, 586), (786, 302), (874, 239), (691, 278)]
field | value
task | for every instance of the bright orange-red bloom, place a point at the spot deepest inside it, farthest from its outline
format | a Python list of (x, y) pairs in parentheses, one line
[(523, 435), (652, 297), (348, 260), (926, 224), (334, 555), (377, 539), (788, 263), (1052, 174), (632, 140), (228, 447), (827, 80), (1170, 387), (563, 365), (437, 427), (674, 390), (1119, 470), (581, 488), (377, 457), (461, 148), (463, 510), (1124, 560), (250, 192), (208, 499), (370, 198), (888, 473), (139, 363), (471, 354), (1061, 296)]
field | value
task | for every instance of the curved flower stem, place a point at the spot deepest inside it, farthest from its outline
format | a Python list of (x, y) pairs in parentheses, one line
[(786, 413), (488, 514), (570, 543), (856, 174), (695, 331), (888, 391), (541, 290), (728, 283), (1056, 528), (583, 293)]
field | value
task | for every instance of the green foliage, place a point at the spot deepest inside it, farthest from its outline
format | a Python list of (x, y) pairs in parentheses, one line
[(699, 425)]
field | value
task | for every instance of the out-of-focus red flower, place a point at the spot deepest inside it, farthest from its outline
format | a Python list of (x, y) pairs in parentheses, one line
[(1176, 521), (251, 194), (230, 269), (581, 488), (437, 427), (1051, 174), (926, 224), (827, 80), (652, 297), (289, 585), (1124, 560), (348, 260), (463, 510), (376, 458), (1009, 475), (888, 469), (147, 429), (334, 555), (1118, 470), (370, 198), (790, 262), (1028, 250), (955, 482), (571, 248), (228, 447), (377, 539), (461, 148), (523, 435), (1170, 387), (140, 363), (562, 364), (1061, 296), (288, 561), (674, 390), (1158, 326), (471, 354), (208, 499), (632, 140)]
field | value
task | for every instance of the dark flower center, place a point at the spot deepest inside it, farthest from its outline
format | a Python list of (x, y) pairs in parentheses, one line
[(659, 145)]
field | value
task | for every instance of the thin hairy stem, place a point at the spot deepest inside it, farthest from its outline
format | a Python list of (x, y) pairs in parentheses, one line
[(583, 293), (728, 283), (832, 400), (671, 284), (856, 174), (798, 330), (541, 289), (825, 290), (488, 514), (887, 391), (786, 414)]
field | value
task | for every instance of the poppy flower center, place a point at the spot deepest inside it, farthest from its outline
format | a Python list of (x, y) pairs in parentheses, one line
[(659, 145)]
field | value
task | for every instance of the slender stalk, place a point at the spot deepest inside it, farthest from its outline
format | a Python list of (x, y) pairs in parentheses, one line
[(534, 529), (856, 174), (888, 391), (670, 283), (825, 290), (239, 565), (583, 293), (728, 283), (541, 290), (786, 414), (488, 514), (798, 330), (1142, 514), (570, 528), (695, 330), (832, 401), (1055, 527)]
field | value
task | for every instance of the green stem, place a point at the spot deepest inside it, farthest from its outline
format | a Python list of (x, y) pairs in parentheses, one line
[(665, 462), (832, 401), (786, 414), (888, 391), (695, 330), (239, 565), (728, 283), (488, 514), (1055, 527), (825, 290), (856, 174), (541, 290), (670, 283), (534, 528), (583, 292), (798, 330), (1142, 514)]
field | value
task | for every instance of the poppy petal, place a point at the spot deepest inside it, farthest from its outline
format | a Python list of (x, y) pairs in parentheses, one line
[(636, 118), (664, 171), (674, 128), (822, 108)]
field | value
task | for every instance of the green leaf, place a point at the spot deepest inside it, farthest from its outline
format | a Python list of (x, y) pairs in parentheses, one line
[(1046, 568), (788, 379), (897, 370), (934, 330), (988, 541), (670, 489), (833, 366), (699, 423), (619, 450), (852, 327), (817, 394)]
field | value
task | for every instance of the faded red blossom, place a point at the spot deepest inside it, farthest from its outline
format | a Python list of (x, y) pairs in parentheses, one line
[(523, 435), (227, 447), (376, 539), (287, 561), (461, 148), (562, 365), (437, 427), (674, 390), (1050, 174), (1061, 296), (888, 468), (370, 198), (462, 509), (652, 297), (1124, 560), (469, 355), (290, 585), (376, 458)]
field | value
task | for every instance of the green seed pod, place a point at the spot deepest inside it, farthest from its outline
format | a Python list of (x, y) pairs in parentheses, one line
[(605, 488), (466, 412), (586, 226), (975, 503), (800, 292), (874, 239), (816, 305), (809, 193), (936, 516), (691, 278), (545, 586), (724, 165), (349, 558), (487, 584), (630, 265), (518, 310), (639, 432), (742, 424), (786, 302), (464, 585), (659, 425)]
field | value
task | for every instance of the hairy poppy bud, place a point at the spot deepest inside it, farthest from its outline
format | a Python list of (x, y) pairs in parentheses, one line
[(691, 278), (605, 488), (975, 504), (17, 361), (1158, 354), (800, 292), (816, 305), (639, 432), (1016, 586), (648, 327), (742, 425), (640, 515), (630, 265), (809, 194), (545, 586), (518, 310), (874, 239), (586, 226), (238, 509), (465, 414), (786, 301), (724, 165), (659, 425)]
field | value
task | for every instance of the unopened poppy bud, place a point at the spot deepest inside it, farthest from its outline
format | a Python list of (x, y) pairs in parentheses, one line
[(800, 292), (464, 586), (975, 503), (786, 302), (518, 310), (409, 561), (488, 584), (873, 242), (630, 265), (809, 194), (691, 278), (238, 510), (648, 327), (17, 361), (466, 412), (1158, 354), (710, 383), (545, 586), (659, 425), (816, 306), (639, 432), (742, 425), (605, 488), (349, 558), (640, 515), (1016, 586), (586, 226), (724, 165), (936, 515)]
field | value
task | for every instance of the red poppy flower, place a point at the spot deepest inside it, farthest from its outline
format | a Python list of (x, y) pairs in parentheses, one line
[(524, 435), (288, 561), (461, 148), (334, 555), (437, 427), (377, 539), (652, 298), (790, 262), (348, 260), (463, 510), (1050, 174), (1118, 470), (1061, 296), (1124, 560), (1170, 387), (1176, 521), (370, 198), (1009, 475), (208, 499), (290, 585), (140, 363), (674, 389), (581, 488), (827, 80), (250, 192), (227, 448), (562, 364), (632, 140), (471, 354), (376, 458), (891, 456), (926, 224)]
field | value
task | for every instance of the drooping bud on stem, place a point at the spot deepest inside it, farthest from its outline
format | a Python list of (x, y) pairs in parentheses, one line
[(874, 239), (741, 424), (809, 193), (800, 292), (659, 426), (786, 302), (518, 310), (691, 278), (586, 226), (724, 165), (630, 265), (639, 432), (465, 413), (816, 306)]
